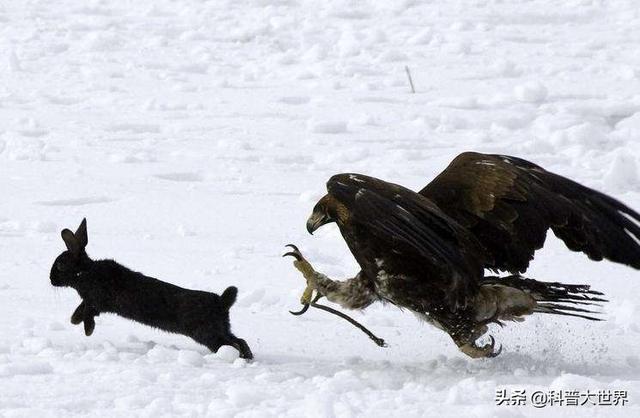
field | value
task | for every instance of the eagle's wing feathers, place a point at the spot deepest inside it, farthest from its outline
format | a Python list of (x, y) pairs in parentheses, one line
[(413, 232), (509, 204), (409, 232)]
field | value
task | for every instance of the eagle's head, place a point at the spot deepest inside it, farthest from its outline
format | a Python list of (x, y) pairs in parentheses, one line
[(327, 210)]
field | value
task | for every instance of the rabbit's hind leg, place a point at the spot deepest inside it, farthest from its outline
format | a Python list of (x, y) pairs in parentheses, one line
[(214, 342), (242, 346)]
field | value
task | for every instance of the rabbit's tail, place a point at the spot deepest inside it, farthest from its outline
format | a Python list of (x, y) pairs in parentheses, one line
[(228, 297)]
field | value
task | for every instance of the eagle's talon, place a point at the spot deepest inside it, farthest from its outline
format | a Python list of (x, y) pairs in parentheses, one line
[(492, 343), (297, 256), (489, 348), (294, 247), (492, 346), (306, 305), (304, 309), (485, 351), (304, 267), (496, 353), (295, 253), (301, 263)]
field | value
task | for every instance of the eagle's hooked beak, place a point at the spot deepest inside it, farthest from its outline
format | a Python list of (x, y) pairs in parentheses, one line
[(316, 220)]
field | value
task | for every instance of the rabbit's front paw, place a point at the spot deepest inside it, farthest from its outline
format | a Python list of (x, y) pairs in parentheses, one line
[(78, 314), (89, 325)]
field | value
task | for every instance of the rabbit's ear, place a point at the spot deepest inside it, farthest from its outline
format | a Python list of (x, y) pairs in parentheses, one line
[(70, 241), (81, 234)]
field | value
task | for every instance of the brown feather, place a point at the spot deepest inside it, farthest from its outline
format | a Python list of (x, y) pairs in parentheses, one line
[(509, 204)]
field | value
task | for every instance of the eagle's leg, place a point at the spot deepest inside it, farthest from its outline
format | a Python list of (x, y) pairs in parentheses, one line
[(307, 271), (353, 293), (466, 342)]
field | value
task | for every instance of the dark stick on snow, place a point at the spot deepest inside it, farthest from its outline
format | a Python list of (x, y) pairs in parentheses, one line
[(406, 69), (379, 341)]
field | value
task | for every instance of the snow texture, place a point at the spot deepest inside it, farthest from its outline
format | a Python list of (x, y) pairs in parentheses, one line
[(196, 136)]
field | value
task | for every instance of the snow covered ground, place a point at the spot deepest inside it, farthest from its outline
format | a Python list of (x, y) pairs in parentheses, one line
[(196, 136)]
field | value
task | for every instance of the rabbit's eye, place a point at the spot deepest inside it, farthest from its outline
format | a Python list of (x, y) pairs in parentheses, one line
[(60, 267)]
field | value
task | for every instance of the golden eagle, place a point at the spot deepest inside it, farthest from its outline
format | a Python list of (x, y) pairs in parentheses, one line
[(427, 251)]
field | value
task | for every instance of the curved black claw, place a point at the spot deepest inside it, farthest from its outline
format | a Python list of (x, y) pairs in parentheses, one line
[(485, 351), (491, 345), (292, 254), (304, 309), (295, 253), (305, 306), (495, 353)]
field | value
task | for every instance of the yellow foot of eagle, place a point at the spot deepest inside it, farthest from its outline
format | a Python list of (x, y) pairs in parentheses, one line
[(307, 271)]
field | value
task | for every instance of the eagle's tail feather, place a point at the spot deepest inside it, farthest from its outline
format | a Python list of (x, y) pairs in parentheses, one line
[(554, 297), (556, 309)]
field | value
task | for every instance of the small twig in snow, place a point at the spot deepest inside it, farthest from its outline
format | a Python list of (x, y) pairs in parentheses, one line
[(406, 69)]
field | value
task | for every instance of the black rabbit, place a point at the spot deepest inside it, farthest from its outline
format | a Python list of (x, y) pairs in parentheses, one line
[(106, 286)]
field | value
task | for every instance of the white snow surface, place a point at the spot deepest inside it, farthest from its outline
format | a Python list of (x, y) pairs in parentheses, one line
[(196, 136)]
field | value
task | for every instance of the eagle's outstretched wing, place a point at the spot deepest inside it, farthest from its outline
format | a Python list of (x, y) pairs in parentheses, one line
[(509, 204), (410, 233)]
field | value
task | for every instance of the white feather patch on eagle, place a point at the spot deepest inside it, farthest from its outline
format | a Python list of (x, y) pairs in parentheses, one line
[(485, 162), (383, 284)]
